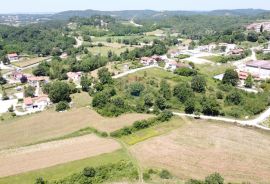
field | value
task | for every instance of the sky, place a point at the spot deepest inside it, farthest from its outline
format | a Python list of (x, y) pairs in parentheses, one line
[(51, 6)]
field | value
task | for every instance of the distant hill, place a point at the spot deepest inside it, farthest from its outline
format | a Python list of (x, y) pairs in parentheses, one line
[(128, 14)]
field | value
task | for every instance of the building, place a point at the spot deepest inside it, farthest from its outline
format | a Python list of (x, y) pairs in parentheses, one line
[(173, 65), (147, 61), (36, 103), (13, 57), (74, 76), (37, 81), (235, 51), (260, 68), (16, 75), (259, 26), (244, 75)]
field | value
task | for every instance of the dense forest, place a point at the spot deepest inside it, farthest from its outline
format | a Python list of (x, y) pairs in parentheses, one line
[(40, 39)]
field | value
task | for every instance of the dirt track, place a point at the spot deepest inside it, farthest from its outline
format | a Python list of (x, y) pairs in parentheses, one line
[(35, 157)]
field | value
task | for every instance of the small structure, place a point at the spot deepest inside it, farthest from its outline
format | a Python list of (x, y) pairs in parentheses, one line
[(36, 103), (147, 61), (74, 76), (259, 26), (16, 75), (244, 75), (173, 65), (64, 55), (37, 81), (238, 51), (13, 57), (260, 68)]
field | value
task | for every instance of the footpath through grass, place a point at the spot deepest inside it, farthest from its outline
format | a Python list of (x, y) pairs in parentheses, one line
[(65, 170)]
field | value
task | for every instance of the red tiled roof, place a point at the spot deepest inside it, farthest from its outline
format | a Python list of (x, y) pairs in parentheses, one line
[(28, 101)]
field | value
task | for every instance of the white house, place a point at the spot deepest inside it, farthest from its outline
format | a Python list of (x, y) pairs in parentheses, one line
[(147, 61), (36, 103), (74, 76), (13, 57), (173, 65), (36, 81)]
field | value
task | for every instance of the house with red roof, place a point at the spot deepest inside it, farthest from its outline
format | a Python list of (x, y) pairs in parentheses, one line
[(13, 57), (36, 103)]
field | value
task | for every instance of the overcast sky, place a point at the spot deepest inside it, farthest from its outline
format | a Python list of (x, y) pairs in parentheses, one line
[(20, 6)]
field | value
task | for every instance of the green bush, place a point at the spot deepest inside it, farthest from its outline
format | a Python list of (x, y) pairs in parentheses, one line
[(185, 71), (89, 172), (164, 174), (62, 106)]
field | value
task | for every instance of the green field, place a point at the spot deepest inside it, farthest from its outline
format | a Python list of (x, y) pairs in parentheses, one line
[(154, 131), (64, 170)]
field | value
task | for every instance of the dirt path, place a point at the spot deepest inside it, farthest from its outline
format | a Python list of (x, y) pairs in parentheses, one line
[(40, 156)]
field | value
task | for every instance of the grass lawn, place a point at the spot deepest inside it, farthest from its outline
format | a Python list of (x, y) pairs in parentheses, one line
[(212, 58), (154, 131), (82, 99), (28, 62), (64, 170)]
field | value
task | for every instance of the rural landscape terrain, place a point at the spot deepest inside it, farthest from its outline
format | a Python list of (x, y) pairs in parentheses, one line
[(135, 96)]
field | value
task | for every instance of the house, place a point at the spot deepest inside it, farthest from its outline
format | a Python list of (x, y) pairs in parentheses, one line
[(260, 68), (147, 61), (259, 26), (244, 75), (74, 76), (236, 51), (16, 75), (13, 57), (37, 81), (173, 65), (36, 103)]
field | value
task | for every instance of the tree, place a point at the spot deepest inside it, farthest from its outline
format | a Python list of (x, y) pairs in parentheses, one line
[(230, 77), (198, 84), (89, 172), (105, 76), (85, 83), (100, 100), (62, 106), (252, 37), (210, 106), (214, 179), (182, 92), (2, 80), (40, 181), (161, 103), (29, 91), (23, 79), (249, 82), (261, 28), (148, 100), (234, 98), (165, 90), (164, 174), (59, 91), (136, 88), (185, 71), (190, 106)]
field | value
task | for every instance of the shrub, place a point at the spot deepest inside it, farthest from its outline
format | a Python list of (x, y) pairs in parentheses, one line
[(89, 172), (62, 106), (198, 84), (136, 88), (185, 71), (234, 98), (214, 179), (164, 174), (146, 176), (165, 116)]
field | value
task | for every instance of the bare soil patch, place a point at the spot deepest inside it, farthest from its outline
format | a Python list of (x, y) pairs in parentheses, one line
[(199, 149), (35, 157), (50, 124)]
